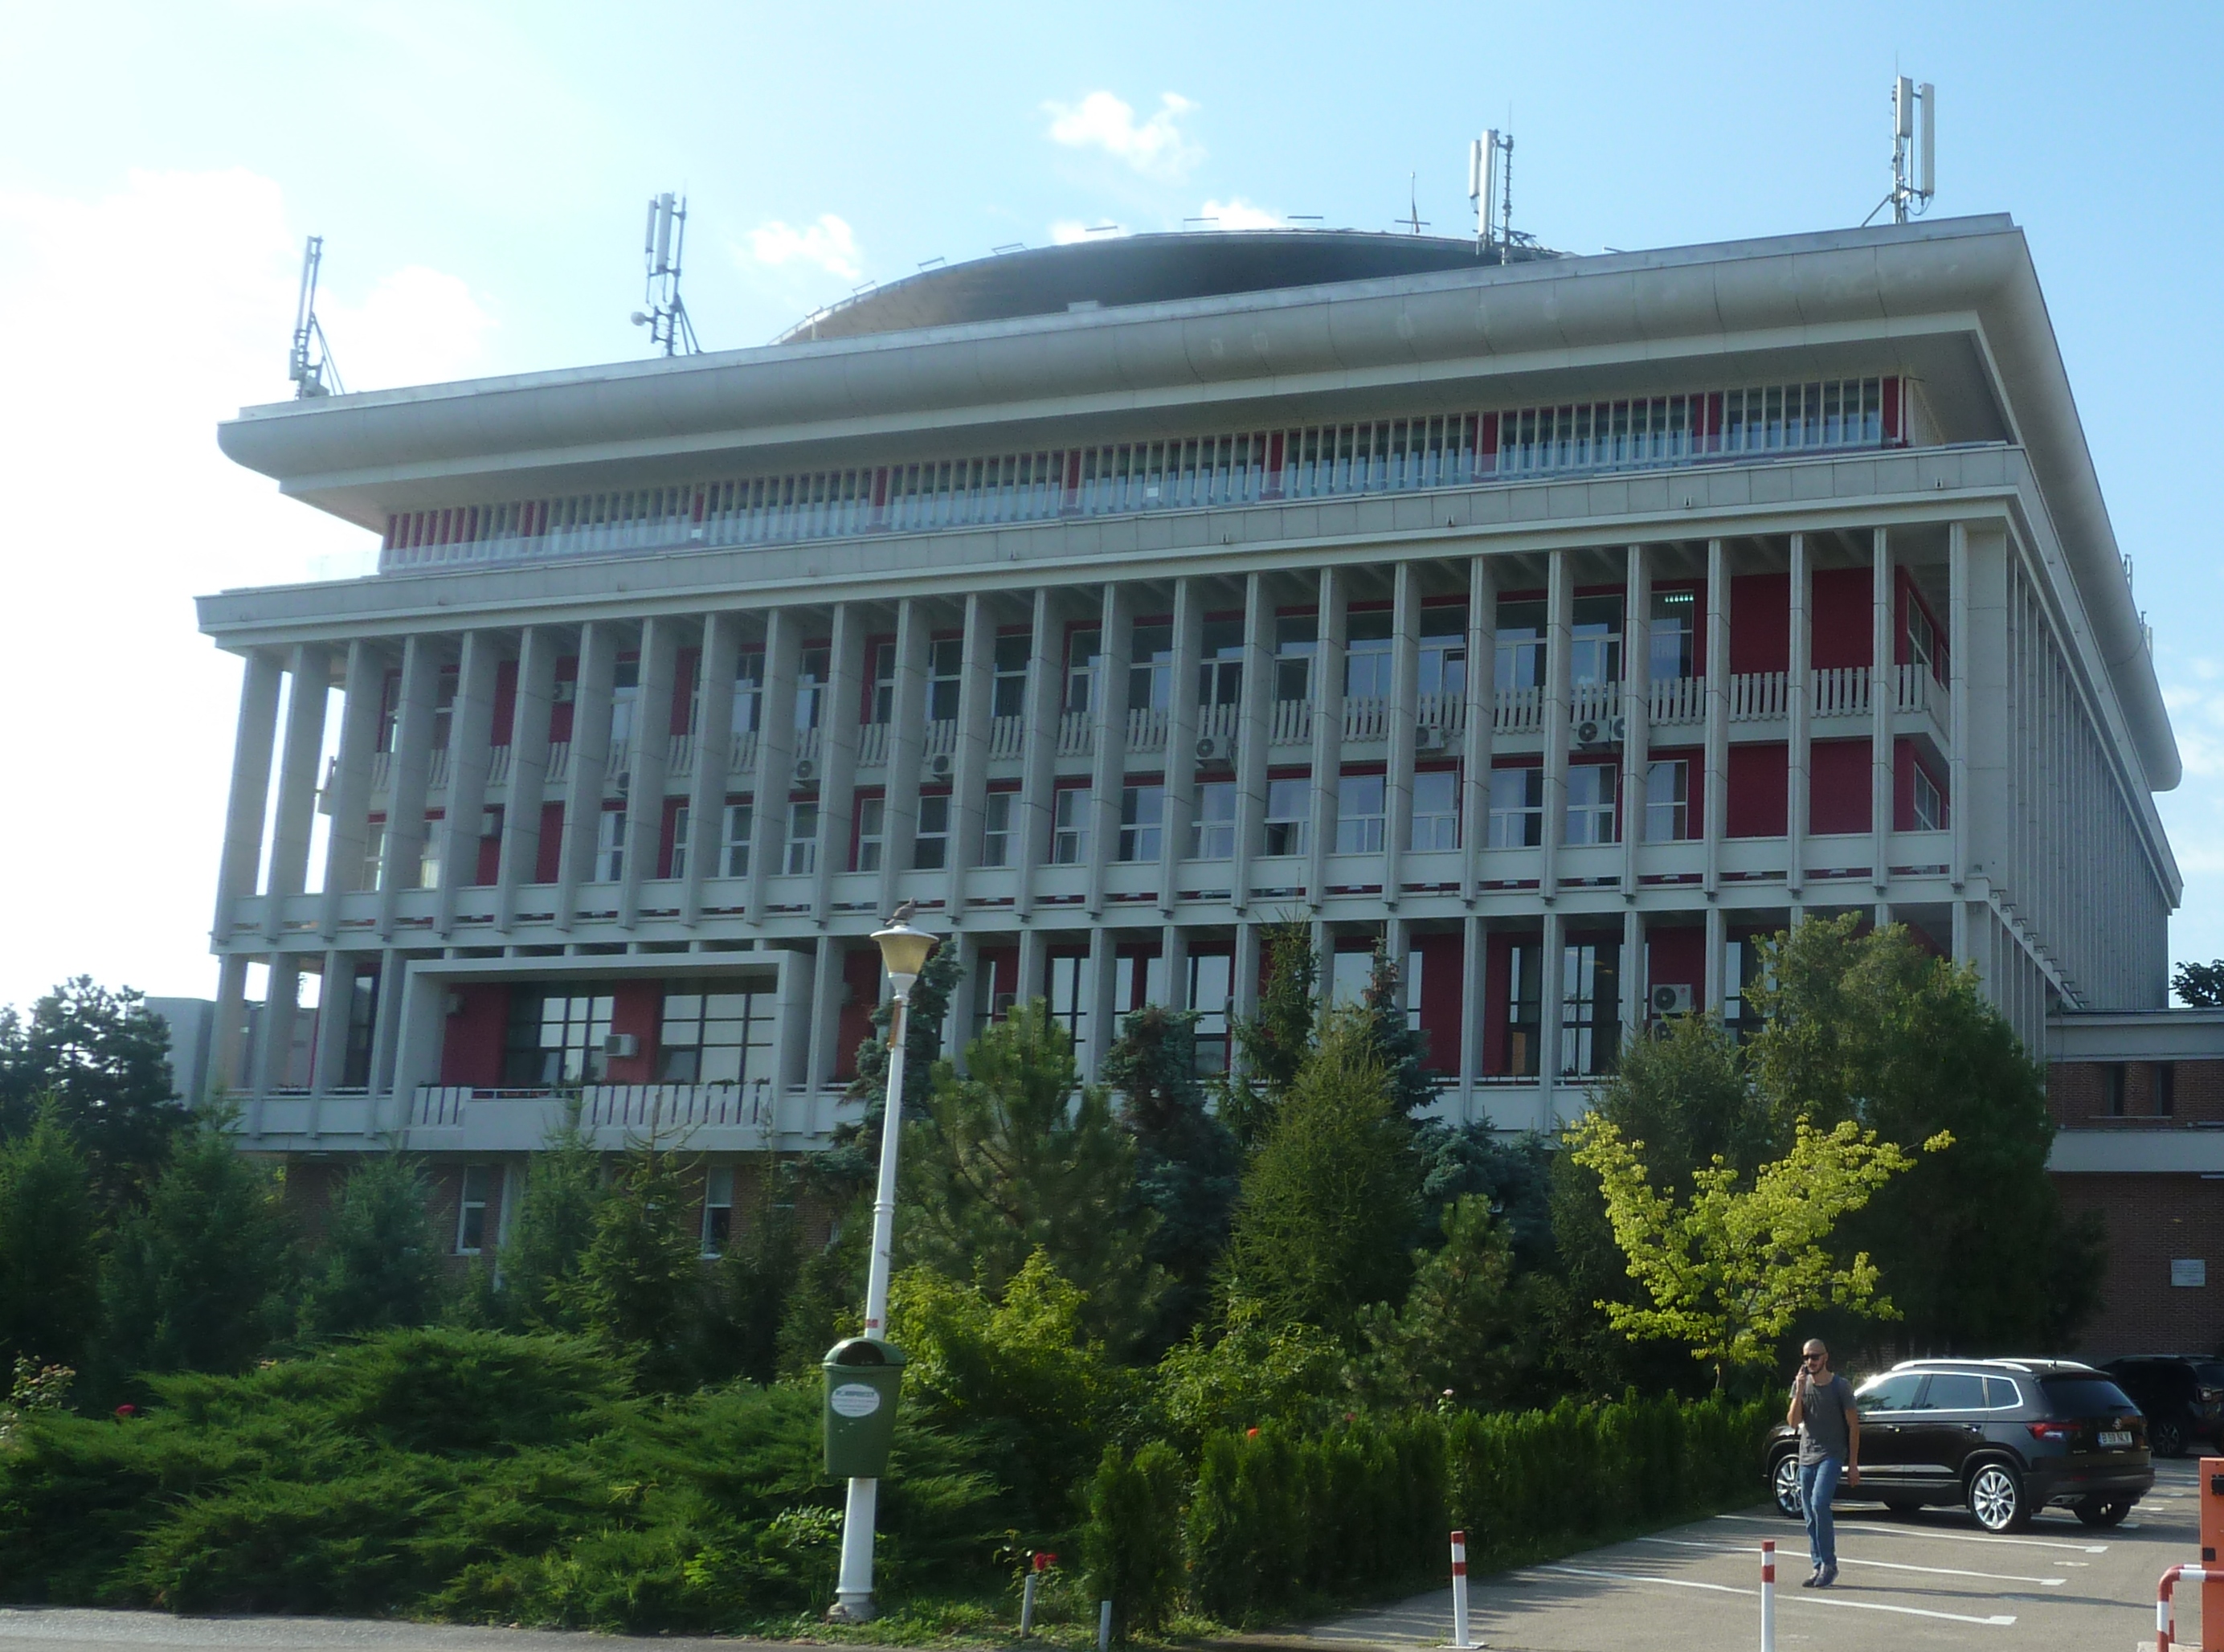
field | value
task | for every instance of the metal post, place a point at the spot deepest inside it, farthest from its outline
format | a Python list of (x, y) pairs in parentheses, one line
[(1459, 1591), (1768, 1595), (1028, 1594), (1103, 1626)]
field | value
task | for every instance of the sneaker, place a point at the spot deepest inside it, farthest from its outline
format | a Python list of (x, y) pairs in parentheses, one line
[(1811, 1579), (1826, 1577)]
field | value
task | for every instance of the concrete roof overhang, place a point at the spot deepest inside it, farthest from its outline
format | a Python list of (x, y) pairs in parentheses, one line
[(1955, 302)]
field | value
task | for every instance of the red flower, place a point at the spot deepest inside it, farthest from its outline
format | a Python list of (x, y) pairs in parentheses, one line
[(127, 1410), (1250, 1434)]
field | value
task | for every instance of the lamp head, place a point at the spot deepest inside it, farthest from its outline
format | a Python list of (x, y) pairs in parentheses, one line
[(904, 950)]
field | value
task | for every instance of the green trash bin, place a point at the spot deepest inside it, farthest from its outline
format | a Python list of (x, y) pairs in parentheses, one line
[(863, 1377)]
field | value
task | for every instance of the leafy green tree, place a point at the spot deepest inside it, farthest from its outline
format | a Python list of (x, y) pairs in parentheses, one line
[(757, 1277), (1327, 1208), (1464, 1330), (2200, 986), (1729, 1270), (201, 1280), (1019, 1158), (1186, 1159), (1274, 1044), (378, 1265), (555, 1224), (1401, 1047), (1252, 1372), (826, 1302), (640, 1286), (50, 1246), (1974, 1244), (104, 1059)]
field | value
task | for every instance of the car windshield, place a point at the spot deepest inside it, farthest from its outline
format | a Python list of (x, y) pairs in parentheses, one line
[(2084, 1396)]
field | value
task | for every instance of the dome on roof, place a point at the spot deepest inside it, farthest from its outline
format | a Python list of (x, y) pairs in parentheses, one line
[(1138, 269)]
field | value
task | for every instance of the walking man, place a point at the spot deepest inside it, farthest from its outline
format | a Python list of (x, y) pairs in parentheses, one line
[(1829, 1446)]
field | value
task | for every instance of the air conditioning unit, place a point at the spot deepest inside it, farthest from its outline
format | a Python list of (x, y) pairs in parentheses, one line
[(1671, 998), (1590, 731), (1618, 731), (1214, 748), (805, 770), (622, 780), (940, 765), (565, 691), (1430, 737), (624, 1045)]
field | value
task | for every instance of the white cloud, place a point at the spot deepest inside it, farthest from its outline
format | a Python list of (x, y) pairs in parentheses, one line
[(1237, 213), (417, 326), (1067, 231), (828, 244), (1156, 148)]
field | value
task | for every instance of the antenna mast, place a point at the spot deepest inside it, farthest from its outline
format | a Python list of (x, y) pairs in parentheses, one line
[(1914, 150), (662, 243), (1490, 187), (313, 373)]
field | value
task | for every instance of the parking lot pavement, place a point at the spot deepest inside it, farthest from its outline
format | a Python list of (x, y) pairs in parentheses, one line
[(1933, 1579)]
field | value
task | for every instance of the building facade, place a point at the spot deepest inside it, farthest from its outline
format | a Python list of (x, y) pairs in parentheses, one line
[(1562, 626)]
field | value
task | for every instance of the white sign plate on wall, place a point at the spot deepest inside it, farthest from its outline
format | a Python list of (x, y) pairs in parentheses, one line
[(2191, 1271)]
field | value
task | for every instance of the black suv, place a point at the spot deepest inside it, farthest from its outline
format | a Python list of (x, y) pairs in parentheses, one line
[(2003, 1437), (2181, 1395)]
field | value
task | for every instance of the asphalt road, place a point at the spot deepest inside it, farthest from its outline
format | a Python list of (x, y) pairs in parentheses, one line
[(71, 1630), (1932, 1580)]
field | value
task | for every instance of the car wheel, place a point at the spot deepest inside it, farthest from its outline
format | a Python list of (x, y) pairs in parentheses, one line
[(1996, 1498), (2093, 1512), (2166, 1438), (1784, 1486)]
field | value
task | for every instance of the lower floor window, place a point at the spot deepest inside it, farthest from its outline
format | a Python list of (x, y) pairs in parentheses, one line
[(716, 1038), (556, 1037), (471, 1209), (718, 1210)]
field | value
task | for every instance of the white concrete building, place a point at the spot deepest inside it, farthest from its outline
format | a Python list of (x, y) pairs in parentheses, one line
[(1565, 623)]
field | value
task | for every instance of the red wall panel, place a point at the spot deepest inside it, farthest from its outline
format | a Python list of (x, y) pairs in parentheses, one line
[(1759, 789), (683, 689), (636, 1007), (550, 859), (1443, 966), (1676, 956), (1838, 786), (1761, 622), (1841, 619), (470, 1045), (505, 702), (1497, 966), (861, 978)]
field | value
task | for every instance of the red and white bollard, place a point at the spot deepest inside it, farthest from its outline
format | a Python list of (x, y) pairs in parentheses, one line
[(1459, 1592), (2165, 1610), (1768, 1594)]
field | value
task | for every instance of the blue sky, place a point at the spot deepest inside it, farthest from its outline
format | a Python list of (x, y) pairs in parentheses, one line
[(479, 171)]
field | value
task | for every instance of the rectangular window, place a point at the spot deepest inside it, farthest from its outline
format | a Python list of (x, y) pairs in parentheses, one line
[(1517, 807), (1220, 670), (2112, 1089), (1212, 976), (1289, 806), (679, 843), (1359, 814), (2165, 1088), (1667, 800), (1410, 985), (1068, 1006), (1590, 802), (1922, 640), (471, 1209), (718, 1209), (1591, 1035), (945, 672), (1524, 1008), (1349, 976), (428, 854), (625, 695), (996, 829), (872, 834), (811, 680), (1594, 646), (931, 846), (444, 706), (1444, 651), (1436, 810), (884, 683), (1151, 668), (716, 1038), (748, 689), (1930, 806), (1670, 654), (1296, 639), (803, 836), (1367, 655), (609, 846), (1212, 832), (1143, 822), (556, 1037), (734, 850), (1084, 655), (1009, 697), (374, 854), (1069, 826), (1520, 645)]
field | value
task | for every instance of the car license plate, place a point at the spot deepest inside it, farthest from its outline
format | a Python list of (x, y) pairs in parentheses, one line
[(2115, 1438)]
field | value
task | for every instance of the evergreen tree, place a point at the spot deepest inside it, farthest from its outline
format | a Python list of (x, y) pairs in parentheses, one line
[(757, 1277), (1514, 1178), (103, 1061), (555, 1224), (1327, 1207), (1400, 1047), (1274, 1044), (1686, 1093), (826, 1303), (50, 1246), (1186, 1159), (1019, 1158), (200, 1279), (924, 1014), (640, 1285), (378, 1266), (1464, 1329)]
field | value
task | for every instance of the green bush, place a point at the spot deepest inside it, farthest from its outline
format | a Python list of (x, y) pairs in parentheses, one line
[(1131, 1546)]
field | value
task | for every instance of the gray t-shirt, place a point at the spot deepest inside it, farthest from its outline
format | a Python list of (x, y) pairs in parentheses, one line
[(1823, 1422)]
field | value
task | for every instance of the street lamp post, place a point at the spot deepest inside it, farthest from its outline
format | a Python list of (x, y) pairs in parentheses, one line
[(904, 950)]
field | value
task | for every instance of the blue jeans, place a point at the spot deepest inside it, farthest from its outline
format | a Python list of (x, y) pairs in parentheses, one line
[(1818, 1483)]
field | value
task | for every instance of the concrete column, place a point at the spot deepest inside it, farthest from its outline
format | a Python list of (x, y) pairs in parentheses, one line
[(1405, 718), (839, 718), (1033, 964), (1559, 627), (1716, 807), (309, 687), (1181, 745), (1636, 710), (716, 667), (1479, 723), (242, 866), (1800, 699), (1243, 990), (335, 997), (826, 1011), (589, 765), (1039, 758), (471, 731), (648, 761), (1103, 977), (281, 1000), (907, 749), (1173, 947), (1633, 984), (1333, 600), (366, 681), (1882, 694), (226, 1033), (1957, 669), (1552, 1014), (409, 768), (958, 1024), (1109, 762), (772, 786), (1474, 983), (385, 1033), (531, 710), (1254, 727), (969, 791), (1717, 938)]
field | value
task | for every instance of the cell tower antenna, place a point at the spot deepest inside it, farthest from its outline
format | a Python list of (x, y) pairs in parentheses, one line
[(311, 365), (1490, 187), (662, 244), (1914, 150), (1413, 220)]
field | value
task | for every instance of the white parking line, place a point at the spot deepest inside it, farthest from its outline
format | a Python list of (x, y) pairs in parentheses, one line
[(1997, 1621), (1888, 1566), (1934, 1532)]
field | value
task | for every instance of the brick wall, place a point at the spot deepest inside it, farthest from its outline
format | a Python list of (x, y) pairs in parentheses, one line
[(2150, 1221), (2076, 1094)]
